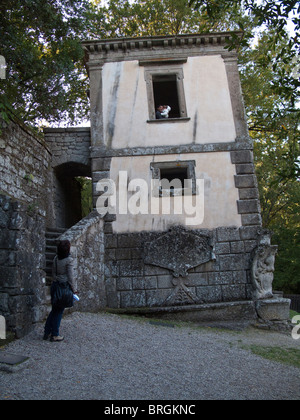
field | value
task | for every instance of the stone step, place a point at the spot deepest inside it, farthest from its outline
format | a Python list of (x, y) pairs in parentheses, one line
[(56, 231), (52, 235), (11, 363), (51, 248)]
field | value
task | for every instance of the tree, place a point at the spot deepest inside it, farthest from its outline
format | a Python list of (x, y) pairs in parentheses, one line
[(271, 14), (273, 119), (41, 44), (153, 17), (275, 14)]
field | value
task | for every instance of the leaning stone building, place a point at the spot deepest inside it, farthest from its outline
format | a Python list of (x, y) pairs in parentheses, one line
[(184, 250)]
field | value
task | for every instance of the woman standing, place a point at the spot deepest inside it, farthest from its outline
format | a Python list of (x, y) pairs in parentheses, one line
[(63, 280)]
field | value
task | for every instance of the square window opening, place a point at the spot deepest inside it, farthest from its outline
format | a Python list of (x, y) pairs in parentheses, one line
[(174, 173), (174, 178), (165, 87), (165, 92)]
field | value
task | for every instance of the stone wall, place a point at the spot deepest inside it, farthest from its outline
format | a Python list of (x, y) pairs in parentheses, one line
[(131, 282), (68, 145), (24, 164), (22, 259), (70, 149), (87, 240), (24, 191)]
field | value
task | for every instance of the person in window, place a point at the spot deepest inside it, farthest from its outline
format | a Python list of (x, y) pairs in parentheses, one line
[(162, 112)]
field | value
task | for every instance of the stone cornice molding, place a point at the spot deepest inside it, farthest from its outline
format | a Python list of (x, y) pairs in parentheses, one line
[(120, 49)]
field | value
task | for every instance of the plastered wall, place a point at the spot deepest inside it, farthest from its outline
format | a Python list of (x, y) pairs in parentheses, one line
[(219, 200), (125, 106)]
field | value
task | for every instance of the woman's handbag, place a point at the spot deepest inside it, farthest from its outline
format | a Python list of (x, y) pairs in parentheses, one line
[(61, 294)]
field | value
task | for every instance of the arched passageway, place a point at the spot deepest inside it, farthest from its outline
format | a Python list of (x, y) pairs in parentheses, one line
[(70, 185)]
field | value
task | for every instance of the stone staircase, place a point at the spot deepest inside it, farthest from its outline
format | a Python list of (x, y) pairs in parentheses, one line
[(52, 235)]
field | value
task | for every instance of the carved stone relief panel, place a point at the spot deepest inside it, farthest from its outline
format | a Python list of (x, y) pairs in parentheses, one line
[(179, 250)]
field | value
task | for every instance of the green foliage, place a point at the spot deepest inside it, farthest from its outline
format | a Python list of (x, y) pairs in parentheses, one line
[(41, 44), (274, 14), (273, 117), (121, 18), (86, 188)]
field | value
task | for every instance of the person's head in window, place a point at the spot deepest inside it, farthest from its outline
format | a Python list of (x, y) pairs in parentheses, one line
[(162, 111)]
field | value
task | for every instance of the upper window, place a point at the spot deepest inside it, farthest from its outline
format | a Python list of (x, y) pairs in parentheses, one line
[(165, 93), (165, 87)]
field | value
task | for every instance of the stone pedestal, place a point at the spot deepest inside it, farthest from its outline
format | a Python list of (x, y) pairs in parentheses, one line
[(276, 309)]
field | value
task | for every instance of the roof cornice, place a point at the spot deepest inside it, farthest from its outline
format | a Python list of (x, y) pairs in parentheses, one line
[(119, 49)]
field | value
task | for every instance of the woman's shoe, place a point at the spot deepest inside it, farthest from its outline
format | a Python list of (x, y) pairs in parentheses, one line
[(46, 336), (57, 339)]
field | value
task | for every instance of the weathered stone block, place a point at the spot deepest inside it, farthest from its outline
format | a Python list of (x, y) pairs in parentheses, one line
[(152, 270), (273, 309), (225, 234), (197, 279), (111, 241), (3, 218), (239, 277), (124, 283), (4, 299), (131, 268), (8, 239), (9, 278), (165, 282), (123, 254), (111, 269), (209, 294), (249, 233), (7, 258), (237, 247), (245, 181), (156, 298), (245, 168), (253, 219), (248, 193), (248, 206), (225, 277), (222, 248), (232, 262), (129, 241), (101, 164), (242, 156), (97, 176), (113, 299), (133, 299), (233, 292)]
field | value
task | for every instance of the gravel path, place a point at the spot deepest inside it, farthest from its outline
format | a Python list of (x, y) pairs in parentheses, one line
[(109, 357)]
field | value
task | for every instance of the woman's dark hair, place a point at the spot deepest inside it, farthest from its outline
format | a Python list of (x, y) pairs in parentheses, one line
[(63, 249)]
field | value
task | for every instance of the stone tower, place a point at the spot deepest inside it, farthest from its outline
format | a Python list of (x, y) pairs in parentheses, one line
[(173, 247)]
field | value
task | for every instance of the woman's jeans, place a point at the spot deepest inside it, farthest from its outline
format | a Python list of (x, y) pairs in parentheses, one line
[(53, 322)]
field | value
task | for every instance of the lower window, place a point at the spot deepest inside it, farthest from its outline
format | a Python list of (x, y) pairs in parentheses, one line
[(174, 178)]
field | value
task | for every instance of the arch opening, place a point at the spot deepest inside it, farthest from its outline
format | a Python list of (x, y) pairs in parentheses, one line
[(73, 193)]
